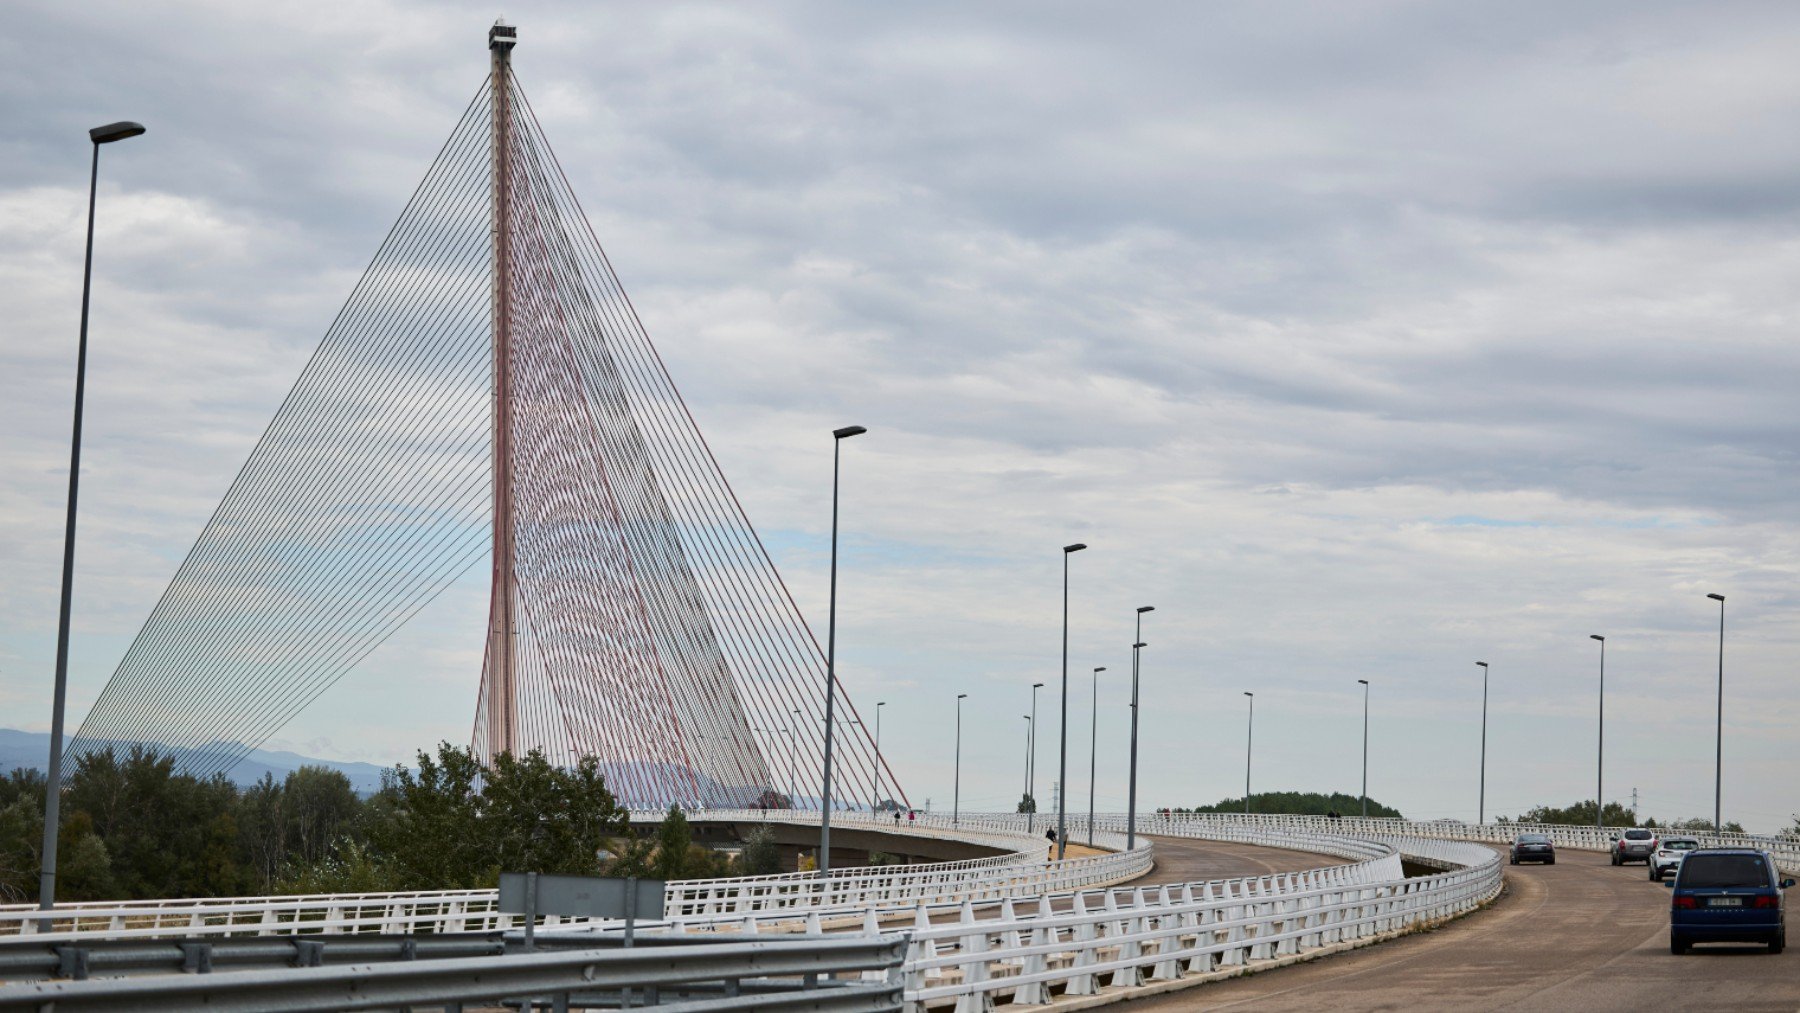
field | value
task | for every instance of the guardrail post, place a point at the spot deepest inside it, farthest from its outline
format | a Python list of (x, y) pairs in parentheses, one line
[(974, 971), (1084, 943), (1028, 992)]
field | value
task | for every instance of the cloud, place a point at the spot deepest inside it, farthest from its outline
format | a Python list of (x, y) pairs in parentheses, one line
[(1266, 304)]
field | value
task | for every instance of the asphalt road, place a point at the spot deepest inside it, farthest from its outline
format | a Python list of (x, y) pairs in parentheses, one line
[(1184, 860), (1578, 935)]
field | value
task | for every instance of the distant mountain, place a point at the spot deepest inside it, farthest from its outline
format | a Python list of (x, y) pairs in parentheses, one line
[(32, 749)]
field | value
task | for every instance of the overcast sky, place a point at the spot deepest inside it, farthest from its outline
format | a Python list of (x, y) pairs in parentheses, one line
[(1364, 340)]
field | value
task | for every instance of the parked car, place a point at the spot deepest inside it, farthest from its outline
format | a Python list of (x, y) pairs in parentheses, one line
[(1727, 895), (1668, 855), (1533, 848), (1634, 846)]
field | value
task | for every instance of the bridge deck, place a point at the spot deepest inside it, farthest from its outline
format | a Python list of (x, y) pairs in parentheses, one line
[(1580, 934)]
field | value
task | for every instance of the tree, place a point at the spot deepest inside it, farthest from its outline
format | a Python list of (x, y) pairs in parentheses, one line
[(1027, 804), (1580, 814), (262, 830), (761, 857), (673, 839), (320, 807), (167, 834), (1302, 803)]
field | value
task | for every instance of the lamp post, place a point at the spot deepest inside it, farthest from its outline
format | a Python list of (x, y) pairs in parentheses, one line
[(1481, 804), (956, 796), (879, 802), (1062, 772), (1249, 738), (53, 784), (838, 436), (1600, 749), (1719, 754), (1093, 752), (1031, 762), (1137, 644), (1365, 786), (1028, 723)]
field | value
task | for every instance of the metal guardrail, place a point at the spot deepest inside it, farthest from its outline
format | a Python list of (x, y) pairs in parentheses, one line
[(835, 974)]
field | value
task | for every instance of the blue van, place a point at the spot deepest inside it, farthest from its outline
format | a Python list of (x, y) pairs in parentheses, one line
[(1727, 895)]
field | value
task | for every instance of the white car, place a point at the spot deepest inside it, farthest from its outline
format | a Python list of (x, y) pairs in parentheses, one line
[(1668, 855)]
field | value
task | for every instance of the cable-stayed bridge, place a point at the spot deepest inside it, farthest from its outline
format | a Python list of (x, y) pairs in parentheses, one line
[(488, 393)]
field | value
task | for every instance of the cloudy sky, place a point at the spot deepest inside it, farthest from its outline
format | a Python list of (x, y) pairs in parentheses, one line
[(1364, 340)]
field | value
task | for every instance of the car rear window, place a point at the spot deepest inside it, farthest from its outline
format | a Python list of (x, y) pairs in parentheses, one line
[(1680, 845), (1533, 839), (1723, 871), (1638, 835)]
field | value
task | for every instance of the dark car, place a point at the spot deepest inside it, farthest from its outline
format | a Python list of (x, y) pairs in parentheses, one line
[(1727, 895), (1533, 848), (1634, 846)]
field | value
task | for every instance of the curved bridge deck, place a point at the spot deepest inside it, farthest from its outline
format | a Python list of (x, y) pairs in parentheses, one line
[(1580, 934)]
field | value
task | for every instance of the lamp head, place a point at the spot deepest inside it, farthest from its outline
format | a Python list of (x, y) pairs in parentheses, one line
[(1077, 547), (1365, 682), (1248, 693), (115, 132), (1140, 644), (848, 431), (1146, 608), (1102, 668), (1596, 636), (959, 696), (1037, 685), (1716, 597), (1483, 664)]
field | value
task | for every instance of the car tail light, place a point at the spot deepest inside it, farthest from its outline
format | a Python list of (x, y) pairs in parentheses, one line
[(1765, 902), (1686, 903)]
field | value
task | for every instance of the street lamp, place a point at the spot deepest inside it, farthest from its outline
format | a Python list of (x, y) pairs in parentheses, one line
[(1600, 749), (1093, 752), (53, 785), (879, 802), (1028, 726), (838, 436), (1137, 644), (1249, 738), (1365, 788), (1062, 774), (1719, 755), (1031, 762), (956, 796), (1481, 806)]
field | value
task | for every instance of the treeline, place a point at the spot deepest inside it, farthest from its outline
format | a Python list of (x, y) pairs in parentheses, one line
[(1299, 803), (1581, 814), (135, 827)]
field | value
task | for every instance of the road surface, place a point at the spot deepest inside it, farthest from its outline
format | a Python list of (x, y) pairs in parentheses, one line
[(1577, 935)]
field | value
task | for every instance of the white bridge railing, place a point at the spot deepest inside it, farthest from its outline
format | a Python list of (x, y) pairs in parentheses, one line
[(1020, 869), (1019, 872)]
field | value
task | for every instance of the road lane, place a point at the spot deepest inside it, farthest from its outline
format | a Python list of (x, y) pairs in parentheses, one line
[(1577, 935)]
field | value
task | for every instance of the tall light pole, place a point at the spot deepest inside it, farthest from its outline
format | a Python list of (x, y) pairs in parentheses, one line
[(838, 436), (1249, 738), (1093, 752), (1719, 754), (1600, 748), (1365, 786), (1062, 773), (1028, 723), (879, 801), (53, 786), (956, 796), (1031, 762), (1137, 644), (1481, 805)]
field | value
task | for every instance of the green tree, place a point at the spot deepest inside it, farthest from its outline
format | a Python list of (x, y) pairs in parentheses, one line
[(674, 837), (167, 834), (432, 834), (320, 807), (1027, 804), (760, 856), (1580, 814), (1301, 803), (262, 831)]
